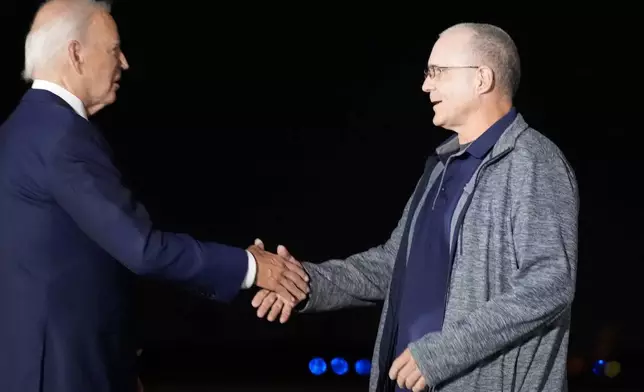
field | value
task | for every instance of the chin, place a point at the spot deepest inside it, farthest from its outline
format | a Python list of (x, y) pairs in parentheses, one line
[(110, 98), (437, 121)]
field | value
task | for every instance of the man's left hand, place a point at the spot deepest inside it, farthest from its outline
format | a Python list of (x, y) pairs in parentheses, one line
[(405, 371)]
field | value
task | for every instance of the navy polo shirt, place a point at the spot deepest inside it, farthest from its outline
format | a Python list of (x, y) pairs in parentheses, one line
[(422, 306)]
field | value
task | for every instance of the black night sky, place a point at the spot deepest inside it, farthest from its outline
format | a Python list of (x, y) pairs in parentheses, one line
[(305, 124)]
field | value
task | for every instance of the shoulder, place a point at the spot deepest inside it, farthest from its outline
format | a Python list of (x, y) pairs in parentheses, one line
[(49, 122), (533, 150), (42, 127), (65, 136), (539, 170)]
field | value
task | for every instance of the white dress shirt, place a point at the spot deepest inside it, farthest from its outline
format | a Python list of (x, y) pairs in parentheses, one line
[(79, 108)]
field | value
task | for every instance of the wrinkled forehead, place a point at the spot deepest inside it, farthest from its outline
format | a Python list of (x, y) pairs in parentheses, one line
[(452, 49)]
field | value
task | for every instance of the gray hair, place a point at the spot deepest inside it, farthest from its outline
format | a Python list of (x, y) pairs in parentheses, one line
[(496, 49), (45, 45)]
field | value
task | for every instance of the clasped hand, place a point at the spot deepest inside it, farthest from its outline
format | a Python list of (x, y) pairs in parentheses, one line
[(279, 275), (275, 303)]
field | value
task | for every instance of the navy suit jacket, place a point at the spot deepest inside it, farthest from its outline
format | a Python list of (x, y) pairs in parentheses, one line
[(71, 241)]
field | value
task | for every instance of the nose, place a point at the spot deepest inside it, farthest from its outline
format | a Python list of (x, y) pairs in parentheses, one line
[(124, 63), (428, 85)]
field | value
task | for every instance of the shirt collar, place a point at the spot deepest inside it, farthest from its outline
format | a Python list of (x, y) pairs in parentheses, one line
[(484, 143), (63, 93)]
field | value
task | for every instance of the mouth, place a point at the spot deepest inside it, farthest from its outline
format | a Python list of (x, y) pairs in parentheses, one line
[(434, 103)]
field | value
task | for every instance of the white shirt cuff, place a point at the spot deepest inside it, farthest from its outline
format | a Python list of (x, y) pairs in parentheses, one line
[(249, 280)]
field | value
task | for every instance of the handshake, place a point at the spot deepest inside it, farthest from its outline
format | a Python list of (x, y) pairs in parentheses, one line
[(283, 281)]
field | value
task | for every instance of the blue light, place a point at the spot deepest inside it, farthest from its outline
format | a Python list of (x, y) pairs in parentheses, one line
[(363, 367), (317, 366), (598, 369), (339, 366)]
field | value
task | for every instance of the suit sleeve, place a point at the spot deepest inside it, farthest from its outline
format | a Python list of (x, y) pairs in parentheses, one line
[(84, 182), (544, 220)]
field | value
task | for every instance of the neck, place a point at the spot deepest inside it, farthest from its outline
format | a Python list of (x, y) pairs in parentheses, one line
[(481, 120), (65, 82)]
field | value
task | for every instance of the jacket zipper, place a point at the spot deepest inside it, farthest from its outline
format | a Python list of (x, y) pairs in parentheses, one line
[(460, 219)]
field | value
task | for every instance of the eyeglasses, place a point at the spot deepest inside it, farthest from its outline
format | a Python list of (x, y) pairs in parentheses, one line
[(434, 71)]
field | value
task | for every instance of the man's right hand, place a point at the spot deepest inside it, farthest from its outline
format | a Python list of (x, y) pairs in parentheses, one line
[(270, 302), (280, 275)]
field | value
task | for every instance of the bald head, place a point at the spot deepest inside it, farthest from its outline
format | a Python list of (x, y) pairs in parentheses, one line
[(50, 11), (491, 46), (55, 25)]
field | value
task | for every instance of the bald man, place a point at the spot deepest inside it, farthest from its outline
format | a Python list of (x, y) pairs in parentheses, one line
[(479, 276), (71, 236)]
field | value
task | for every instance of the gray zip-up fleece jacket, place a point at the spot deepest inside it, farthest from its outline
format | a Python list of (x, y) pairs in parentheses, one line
[(513, 274)]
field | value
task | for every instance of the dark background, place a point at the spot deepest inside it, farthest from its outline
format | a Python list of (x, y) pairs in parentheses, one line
[(305, 124)]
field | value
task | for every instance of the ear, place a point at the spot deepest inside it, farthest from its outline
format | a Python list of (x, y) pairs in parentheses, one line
[(75, 56), (484, 80)]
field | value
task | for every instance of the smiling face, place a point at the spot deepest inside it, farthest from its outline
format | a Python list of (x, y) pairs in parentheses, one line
[(451, 80)]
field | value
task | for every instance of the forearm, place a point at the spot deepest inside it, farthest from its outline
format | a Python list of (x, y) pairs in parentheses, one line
[(216, 270), (360, 280)]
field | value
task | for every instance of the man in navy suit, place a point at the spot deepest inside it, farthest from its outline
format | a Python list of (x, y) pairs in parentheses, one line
[(71, 236)]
